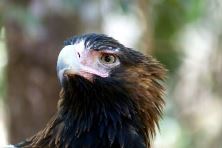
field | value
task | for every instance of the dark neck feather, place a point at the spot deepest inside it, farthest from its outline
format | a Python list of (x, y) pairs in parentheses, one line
[(99, 115), (93, 115)]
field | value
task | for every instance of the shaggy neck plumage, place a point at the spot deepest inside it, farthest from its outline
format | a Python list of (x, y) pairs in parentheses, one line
[(99, 115)]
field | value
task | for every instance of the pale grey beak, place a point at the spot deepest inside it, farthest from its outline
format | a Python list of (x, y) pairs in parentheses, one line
[(68, 62)]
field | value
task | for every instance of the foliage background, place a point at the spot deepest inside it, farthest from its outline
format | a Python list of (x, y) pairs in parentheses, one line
[(185, 35)]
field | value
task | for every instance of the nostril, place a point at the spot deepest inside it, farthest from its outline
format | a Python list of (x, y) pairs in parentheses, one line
[(78, 54)]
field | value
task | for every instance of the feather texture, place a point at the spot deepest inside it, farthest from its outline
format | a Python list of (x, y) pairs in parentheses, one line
[(120, 111)]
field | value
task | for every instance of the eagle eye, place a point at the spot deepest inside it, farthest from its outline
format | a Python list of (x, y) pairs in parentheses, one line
[(108, 59)]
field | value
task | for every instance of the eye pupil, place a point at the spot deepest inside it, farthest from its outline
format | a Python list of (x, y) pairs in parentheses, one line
[(107, 58)]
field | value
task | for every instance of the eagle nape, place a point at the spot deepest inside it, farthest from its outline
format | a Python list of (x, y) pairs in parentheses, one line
[(111, 97)]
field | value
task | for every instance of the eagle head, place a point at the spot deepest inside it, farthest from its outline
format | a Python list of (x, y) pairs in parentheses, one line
[(100, 70), (111, 96)]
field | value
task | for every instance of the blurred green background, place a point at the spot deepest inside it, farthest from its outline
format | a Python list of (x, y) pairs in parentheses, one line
[(185, 35)]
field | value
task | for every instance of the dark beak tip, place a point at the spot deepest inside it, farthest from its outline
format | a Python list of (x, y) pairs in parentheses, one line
[(69, 73)]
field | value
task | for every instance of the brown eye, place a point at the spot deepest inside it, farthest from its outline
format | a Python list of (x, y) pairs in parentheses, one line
[(108, 59)]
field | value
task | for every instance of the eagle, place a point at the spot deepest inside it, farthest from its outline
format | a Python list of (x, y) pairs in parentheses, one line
[(111, 97)]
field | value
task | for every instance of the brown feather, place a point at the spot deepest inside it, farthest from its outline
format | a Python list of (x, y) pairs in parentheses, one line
[(141, 77)]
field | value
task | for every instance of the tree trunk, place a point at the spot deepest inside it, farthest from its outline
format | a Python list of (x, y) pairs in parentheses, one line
[(33, 88)]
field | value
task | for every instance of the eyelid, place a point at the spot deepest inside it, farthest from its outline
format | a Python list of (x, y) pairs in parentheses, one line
[(114, 52), (108, 52), (104, 54)]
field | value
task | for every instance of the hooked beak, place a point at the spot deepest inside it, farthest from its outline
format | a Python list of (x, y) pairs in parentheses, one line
[(69, 72), (69, 63)]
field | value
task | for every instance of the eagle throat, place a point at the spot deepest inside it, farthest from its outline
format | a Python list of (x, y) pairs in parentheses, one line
[(99, 114)]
